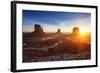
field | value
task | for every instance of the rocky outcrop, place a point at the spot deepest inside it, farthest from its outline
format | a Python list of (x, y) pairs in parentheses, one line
[(38, 31), (58, 31), (76, 31)]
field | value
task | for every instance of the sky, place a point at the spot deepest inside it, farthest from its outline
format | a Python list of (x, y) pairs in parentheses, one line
[(50, 21)]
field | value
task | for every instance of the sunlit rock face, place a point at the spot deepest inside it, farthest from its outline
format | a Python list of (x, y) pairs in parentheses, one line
[(76, 31)]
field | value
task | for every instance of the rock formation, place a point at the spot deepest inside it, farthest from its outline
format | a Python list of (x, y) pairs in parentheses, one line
[(58, 31), (38, 31), (76, 31)]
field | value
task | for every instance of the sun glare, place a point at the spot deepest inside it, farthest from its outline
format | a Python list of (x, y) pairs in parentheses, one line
[(83, 32)]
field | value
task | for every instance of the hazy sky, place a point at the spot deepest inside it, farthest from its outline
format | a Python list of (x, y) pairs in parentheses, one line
[(51, 21)]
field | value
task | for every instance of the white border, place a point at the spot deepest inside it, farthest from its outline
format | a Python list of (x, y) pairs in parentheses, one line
[(37, 65)]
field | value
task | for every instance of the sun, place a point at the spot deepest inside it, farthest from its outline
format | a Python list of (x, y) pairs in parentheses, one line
[(83, 32)]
